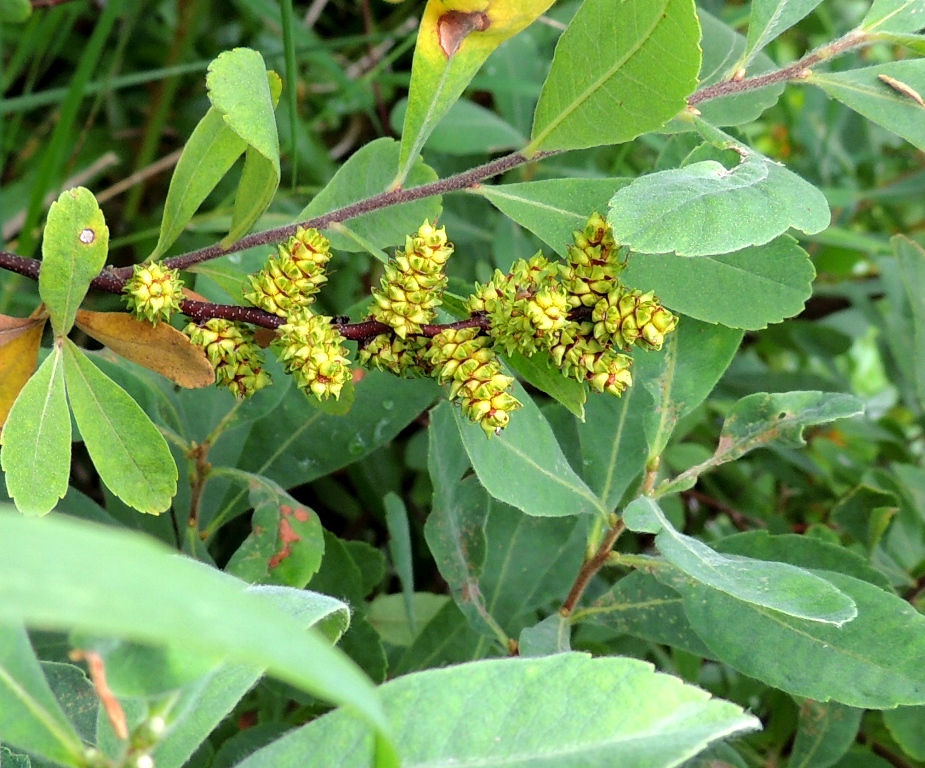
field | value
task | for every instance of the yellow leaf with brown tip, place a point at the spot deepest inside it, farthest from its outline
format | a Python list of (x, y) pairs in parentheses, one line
[(19, 354), (161, 348)]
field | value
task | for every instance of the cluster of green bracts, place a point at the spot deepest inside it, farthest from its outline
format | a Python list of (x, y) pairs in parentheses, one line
[(578, 313)]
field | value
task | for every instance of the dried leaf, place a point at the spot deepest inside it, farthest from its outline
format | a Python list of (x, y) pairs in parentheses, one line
[(19, 353), (159, 348)]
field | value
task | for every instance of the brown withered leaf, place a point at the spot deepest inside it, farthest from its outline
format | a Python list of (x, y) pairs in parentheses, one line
[(161, 348), (19, 354)]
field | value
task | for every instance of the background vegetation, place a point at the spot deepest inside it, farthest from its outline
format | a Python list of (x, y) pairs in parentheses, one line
[(106, 97)]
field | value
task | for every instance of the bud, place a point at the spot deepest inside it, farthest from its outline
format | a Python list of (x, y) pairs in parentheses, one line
[(402, 357), (153, 292), (593, 263)]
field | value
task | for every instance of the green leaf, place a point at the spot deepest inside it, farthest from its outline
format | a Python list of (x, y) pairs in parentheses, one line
[(626, 715), (769, 18), (389, 616), (784, 588), (15, 11), (244, 96), (66, 574), (30, 717), (640, 605), (855, 664), (824, 734), (74, 249), (764, 419), (722, 48), (525, 467), (613, 443), (551, 635), (620, 70), (681, 376), (905, 726), (539, 371), (76, 696), (911, 261), (10, 759), (127, 450), (704, 208), (396, 518), (454, 40), (803, 551), (864, 514), (368, 172), (202, 705), (36, 455), (286, 543), (208, 155), (467, 129), (553, 208), (894, 16), (746, 289), (897, 107)]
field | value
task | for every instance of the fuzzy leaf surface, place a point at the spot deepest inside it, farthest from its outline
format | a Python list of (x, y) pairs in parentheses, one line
[(627, 715), (895, 16), (705, 208), (620, 70), (74, 250), (36, 454)]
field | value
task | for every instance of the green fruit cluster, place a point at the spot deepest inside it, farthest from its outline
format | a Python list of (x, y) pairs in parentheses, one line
[(577, 312), (237, 359)]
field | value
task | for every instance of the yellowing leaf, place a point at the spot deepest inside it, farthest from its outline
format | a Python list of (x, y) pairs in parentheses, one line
[(19, 355), (160, 348), (455, 38)]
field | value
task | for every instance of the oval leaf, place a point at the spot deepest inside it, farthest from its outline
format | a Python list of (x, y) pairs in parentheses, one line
[(36, 454), (895, 103), (856, 664), (127, 450), (159, 348), (627, 715), (782, 587), (454, 39), (704, 208), (525, 467), (620, 70), (746, 289), (74, 249)]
